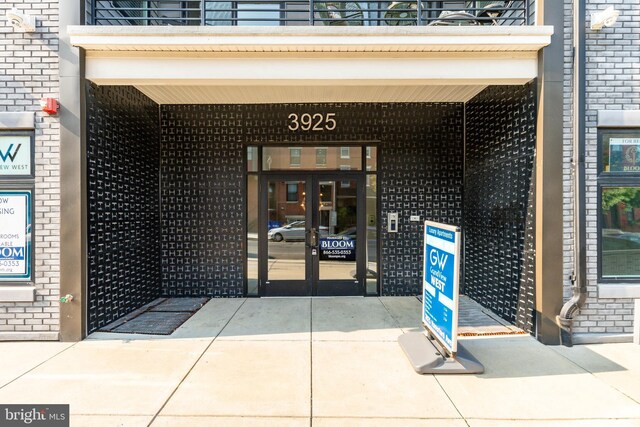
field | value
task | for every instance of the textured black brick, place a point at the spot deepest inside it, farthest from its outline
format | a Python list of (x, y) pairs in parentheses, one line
[(499, 220), (203, 243), (200, 161), (421, 173), (123, 161), (203, 201)]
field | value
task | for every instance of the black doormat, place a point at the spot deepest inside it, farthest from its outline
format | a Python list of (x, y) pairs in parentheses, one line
[(154, 323), (180, 304), (161, 317)]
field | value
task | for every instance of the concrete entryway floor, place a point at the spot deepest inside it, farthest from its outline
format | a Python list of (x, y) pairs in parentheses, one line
[(320, 362)]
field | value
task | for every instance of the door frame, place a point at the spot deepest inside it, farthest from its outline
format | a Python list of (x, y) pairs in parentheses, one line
[(289, 287), (357, 286), (312, 285)]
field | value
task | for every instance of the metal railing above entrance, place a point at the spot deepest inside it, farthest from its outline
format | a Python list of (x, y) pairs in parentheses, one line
[(308, 13)]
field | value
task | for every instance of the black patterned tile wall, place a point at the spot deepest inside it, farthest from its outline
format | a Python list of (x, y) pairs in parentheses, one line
[(202, 190), (499, 220), (421, 173), (123, 160), (196, 245)]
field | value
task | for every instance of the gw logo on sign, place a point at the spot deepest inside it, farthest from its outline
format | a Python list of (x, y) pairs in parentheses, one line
[(7, 155), (438, 259), (438, 262)]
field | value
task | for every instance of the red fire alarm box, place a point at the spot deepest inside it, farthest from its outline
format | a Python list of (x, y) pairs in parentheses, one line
[(50, 105)]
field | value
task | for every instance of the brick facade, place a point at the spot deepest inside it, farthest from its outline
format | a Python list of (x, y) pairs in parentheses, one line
[(613, 83), (29, 72)]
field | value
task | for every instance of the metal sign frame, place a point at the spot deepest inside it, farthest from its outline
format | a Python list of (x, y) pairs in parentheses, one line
[(22, 190), (436, 295)]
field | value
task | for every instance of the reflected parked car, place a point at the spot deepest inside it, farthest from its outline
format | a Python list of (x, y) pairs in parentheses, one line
[(294, 231), (614, 239)]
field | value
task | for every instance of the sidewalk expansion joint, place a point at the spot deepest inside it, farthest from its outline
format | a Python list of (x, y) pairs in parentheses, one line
[(596, 377), (36, 366), (194, 364), (435, 377)]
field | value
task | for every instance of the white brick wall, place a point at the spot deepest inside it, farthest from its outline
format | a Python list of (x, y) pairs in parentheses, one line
[(613, 83), (29, 72)]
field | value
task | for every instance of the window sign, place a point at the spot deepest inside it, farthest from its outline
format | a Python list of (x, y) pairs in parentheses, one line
[(338, 248), (16, 156), (15, 235), (623, 155)]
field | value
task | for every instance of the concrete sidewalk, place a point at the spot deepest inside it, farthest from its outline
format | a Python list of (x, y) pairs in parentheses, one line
[(321, 362)]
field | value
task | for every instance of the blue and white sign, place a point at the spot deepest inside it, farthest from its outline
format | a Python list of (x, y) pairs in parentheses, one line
[(15, 235), (337, 248), (441, 282)]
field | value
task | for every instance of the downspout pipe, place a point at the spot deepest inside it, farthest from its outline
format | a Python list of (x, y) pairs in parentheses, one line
[(578, 278)]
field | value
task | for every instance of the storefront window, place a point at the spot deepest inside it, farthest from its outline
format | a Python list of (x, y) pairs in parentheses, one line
[(620, 225), (619, 184), (285, 210)]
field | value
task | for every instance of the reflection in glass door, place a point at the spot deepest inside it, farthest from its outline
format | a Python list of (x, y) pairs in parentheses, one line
[(311, 221), (337, 218), (286, 267), (312, 246)]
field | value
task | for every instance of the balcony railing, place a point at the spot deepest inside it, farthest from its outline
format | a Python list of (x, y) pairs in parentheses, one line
[(310, 12)]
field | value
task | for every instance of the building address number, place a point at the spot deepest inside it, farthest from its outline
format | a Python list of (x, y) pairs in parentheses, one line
[(312, 122)]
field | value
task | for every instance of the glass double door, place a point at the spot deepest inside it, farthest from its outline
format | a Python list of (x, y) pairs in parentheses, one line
[(312, 240)]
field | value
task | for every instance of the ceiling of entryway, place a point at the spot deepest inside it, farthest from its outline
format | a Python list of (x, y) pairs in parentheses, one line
[(304, 94)]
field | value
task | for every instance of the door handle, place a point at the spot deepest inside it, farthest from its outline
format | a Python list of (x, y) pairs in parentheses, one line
[(313, 237)]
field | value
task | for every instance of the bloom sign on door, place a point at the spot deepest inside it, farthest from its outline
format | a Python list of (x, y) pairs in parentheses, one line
[(337, 248)]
